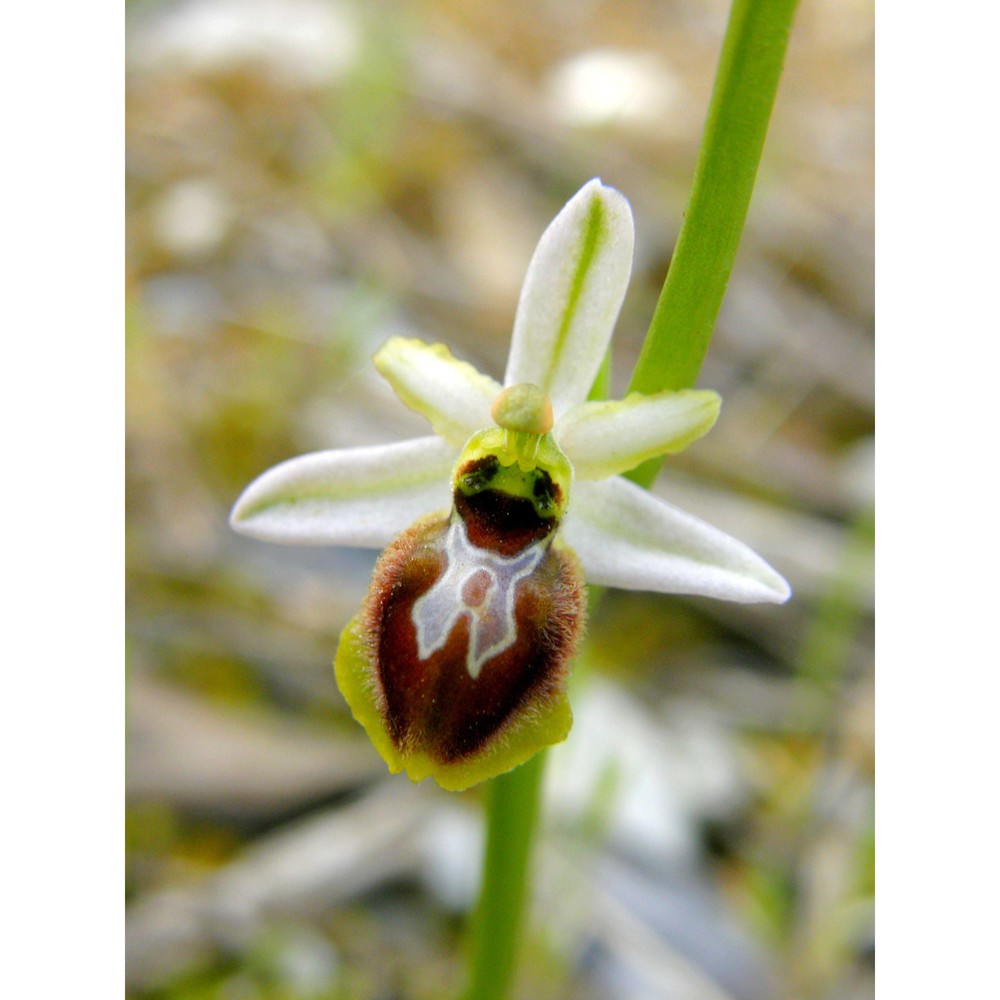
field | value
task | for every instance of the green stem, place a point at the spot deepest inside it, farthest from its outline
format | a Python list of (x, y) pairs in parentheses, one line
[(745, 86), (512, 808)]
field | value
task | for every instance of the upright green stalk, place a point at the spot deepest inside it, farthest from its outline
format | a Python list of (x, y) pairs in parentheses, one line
[(746, 82), (749, 69), (512, 808)]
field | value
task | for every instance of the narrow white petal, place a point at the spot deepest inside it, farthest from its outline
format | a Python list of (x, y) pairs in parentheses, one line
[(351, 496), (428, 378), (571, 296), (605, 438), (625, 537)]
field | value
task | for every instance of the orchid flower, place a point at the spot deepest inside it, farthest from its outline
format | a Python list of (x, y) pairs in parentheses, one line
[(457, 663)]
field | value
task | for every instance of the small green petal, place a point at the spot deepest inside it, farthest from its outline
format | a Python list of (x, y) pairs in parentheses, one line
[(604, 439), (429, 379)]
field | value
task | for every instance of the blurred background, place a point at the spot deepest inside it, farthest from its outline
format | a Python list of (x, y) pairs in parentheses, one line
[(309, 177)]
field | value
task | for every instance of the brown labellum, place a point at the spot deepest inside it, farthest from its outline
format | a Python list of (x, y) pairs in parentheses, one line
[(469, 632)]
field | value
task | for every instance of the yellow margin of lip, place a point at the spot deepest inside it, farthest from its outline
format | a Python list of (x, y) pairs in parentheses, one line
[(541, 724)]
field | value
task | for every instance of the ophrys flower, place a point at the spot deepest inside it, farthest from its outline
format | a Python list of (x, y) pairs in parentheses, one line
[(456, 665)]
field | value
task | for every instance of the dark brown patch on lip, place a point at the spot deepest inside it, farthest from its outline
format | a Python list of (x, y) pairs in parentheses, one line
[(434, 705), (500, 522)]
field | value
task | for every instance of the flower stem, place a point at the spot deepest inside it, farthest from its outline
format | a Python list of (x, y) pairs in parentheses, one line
[(745, 86), (512, 808), (753, 52)]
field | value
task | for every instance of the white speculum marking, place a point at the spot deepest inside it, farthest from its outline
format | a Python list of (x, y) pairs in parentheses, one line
[(477, 583)]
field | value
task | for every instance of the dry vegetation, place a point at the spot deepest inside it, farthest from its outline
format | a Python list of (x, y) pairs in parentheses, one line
[(307, 178)]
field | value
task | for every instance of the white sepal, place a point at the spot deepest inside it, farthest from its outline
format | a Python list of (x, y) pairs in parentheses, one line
[(572, 292), (351, 496), (428, 378), (606, 438), (625, 537)]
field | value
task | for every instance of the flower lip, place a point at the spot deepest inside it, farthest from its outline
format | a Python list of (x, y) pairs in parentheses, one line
[(469, 698)]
